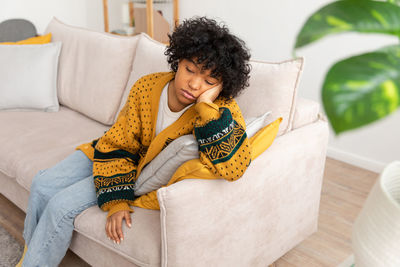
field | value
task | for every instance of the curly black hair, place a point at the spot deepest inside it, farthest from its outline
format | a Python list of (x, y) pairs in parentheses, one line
[(215, 48)]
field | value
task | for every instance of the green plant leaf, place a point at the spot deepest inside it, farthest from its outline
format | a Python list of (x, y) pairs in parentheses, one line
[(397, 2), (362, 89), (364, 16)]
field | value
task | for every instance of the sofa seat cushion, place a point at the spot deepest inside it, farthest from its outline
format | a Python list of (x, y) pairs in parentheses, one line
[(142, 242), (36, 140)]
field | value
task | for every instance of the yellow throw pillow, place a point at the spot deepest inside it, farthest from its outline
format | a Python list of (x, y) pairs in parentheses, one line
[(264, 138), (43, 39)]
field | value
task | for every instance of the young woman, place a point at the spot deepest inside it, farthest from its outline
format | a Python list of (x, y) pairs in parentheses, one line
[(209, 67)]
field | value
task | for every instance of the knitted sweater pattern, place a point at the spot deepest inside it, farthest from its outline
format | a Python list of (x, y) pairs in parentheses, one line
[(124, 150)]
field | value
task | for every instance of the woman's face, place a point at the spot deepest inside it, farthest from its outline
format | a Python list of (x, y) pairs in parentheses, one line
[(189, 83)]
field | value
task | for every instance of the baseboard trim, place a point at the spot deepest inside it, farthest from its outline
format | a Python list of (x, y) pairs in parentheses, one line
[(355, 160)]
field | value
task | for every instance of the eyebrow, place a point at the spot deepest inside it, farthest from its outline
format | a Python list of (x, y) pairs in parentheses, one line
[(191, 60), (197, 65)]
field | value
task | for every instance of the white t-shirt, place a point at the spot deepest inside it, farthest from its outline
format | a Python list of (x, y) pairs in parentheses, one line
[(165, 116)]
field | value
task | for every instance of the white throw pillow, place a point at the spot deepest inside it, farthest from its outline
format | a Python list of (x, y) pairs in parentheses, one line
[(28, 77), (253, 125), (160, 170), (94, 69)]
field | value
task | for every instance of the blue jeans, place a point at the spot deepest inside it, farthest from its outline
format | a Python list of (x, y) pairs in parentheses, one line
[(57, 196)]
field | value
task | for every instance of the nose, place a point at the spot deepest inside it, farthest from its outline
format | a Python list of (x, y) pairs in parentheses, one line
[(195, 83)]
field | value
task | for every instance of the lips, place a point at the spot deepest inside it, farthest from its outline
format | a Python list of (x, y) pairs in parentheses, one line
[(188, 95)]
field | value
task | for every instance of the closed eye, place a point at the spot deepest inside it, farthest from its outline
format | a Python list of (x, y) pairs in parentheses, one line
[(209, 83), (189, 70)]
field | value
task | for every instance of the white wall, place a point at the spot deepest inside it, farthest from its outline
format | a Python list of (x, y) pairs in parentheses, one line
[(269, 28), (82, 13), (40, 12)]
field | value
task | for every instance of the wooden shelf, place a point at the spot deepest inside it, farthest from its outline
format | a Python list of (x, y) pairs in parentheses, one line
[(149, 13)]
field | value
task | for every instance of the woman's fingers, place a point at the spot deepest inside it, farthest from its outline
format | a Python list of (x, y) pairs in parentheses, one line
[(128, 220), (114, 225), (211, 94), (113, 231), (108, 229), (118, 226)]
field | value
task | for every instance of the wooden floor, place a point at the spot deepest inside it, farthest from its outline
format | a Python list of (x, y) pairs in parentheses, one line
[(344, 190)]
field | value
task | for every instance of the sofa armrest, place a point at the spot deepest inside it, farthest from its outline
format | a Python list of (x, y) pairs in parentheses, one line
[(307, 111), (254, 220)]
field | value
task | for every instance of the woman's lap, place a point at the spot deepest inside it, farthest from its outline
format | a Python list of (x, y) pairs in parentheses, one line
[(75, 198), (69, 171)]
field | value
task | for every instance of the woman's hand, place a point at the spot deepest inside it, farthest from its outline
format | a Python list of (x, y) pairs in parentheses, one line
[(114, 225), (211, 94)]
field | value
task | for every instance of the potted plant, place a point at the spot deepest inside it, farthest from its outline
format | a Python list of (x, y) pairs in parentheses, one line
[(133, 26), (357, 91)]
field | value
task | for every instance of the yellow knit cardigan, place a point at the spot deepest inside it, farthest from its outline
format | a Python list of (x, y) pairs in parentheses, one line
[(124, 150)]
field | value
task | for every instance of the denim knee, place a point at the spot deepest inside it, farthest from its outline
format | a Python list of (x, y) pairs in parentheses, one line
[(38, 184), (59, 209)]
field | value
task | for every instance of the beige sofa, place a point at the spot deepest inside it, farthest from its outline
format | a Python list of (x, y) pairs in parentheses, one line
[(250, 222)]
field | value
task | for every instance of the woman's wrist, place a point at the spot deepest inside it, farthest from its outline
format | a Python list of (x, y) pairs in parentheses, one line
[(207, 111), (118, 207)]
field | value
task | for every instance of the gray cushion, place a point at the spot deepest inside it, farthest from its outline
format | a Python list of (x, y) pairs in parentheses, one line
[(14, 30), (160, 170)]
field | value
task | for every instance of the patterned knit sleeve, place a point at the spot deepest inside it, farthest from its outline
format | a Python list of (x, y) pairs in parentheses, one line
[(116, 157), (222, 140)]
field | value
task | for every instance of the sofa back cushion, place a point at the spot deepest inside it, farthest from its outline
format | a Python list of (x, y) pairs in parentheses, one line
[(149, 58), (273, 86), (93, 69)]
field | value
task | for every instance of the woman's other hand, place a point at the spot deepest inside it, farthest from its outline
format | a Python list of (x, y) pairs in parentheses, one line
[(211, 94), (114, 225)]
